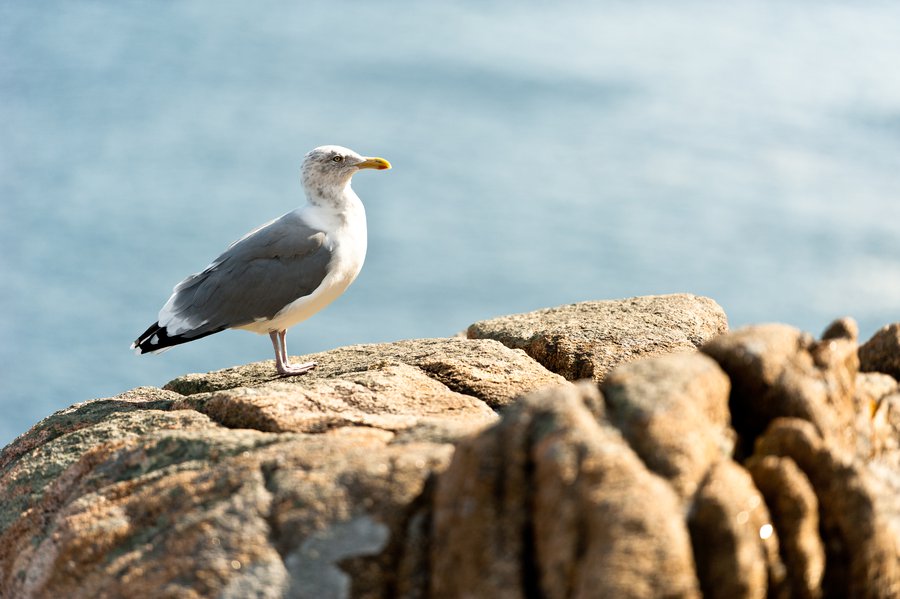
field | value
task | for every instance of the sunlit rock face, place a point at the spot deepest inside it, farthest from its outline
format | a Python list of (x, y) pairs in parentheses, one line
[(706, 463)]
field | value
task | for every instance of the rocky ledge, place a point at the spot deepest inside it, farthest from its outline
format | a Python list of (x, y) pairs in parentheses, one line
[(688, 461)]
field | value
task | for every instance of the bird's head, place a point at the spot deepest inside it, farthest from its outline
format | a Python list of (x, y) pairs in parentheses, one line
[(331, 167)]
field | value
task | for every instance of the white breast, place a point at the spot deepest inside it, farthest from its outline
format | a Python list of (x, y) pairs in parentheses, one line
[(346, 236)]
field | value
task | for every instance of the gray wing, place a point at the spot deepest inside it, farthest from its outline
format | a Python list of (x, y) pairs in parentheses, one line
[(253, 279)]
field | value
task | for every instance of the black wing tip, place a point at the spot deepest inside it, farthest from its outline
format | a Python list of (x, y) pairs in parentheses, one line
[(150, 340), (157, 338)]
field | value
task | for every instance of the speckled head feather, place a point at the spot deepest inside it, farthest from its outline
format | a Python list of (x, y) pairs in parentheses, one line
[(327, 170)]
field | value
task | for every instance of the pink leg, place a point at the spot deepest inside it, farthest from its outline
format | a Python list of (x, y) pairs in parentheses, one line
[(282, 365), (282, 340)]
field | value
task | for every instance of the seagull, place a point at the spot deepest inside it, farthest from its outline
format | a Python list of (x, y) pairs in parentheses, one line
[(281, 273)]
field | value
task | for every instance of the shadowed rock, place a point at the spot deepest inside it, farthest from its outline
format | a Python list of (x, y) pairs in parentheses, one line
[(795, 515), (462, 467), (673, 411), (550, 503), (776, 370), (842, 328), (881, 353), (735, 545), (589, 339), (862, 545)]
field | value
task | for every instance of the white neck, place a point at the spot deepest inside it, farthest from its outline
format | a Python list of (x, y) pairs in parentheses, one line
[(338, 212)]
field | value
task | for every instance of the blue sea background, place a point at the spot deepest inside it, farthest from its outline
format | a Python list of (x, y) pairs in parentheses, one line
[(543, 154)]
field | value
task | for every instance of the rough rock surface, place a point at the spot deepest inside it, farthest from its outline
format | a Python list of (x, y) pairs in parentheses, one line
[(238, 483), (394, 397), (735, 545), (484, 369), (551, 503), (673, 410), (766, 465), (794, 507), (862, 545), (777, 370), (874, 410), (881, 353), (805, 402), (588, 339)]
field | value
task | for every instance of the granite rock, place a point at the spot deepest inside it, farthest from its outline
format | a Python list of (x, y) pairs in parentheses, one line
[(549, 502), (588, 339), (881, 353), (673, 411), (777, 370), (766, 465)]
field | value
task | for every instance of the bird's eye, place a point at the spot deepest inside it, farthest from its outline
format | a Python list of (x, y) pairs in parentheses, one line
[(338, 158)]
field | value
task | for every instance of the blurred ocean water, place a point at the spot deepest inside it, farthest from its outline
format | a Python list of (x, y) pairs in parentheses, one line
[(543, 155)]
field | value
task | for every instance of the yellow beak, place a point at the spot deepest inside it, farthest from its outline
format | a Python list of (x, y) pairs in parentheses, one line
[(376, 163)]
